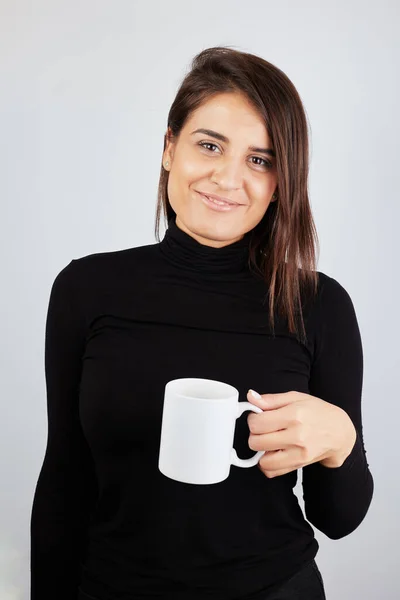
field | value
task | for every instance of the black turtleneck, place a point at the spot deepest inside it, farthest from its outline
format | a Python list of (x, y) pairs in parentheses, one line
[(187, 253), (119, 326)]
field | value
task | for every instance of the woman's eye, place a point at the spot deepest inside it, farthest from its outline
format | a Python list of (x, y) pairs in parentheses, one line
[(266, 163), (204, 144)]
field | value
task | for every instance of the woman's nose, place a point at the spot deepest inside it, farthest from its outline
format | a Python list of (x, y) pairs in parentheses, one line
[(229, 175)]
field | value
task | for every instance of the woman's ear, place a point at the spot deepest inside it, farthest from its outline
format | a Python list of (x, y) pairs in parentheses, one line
[(169, 147)]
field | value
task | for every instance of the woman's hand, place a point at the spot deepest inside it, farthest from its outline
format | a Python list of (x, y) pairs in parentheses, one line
[(298, 429)]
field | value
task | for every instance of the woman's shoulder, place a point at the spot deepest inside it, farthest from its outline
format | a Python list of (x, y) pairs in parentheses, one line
[(331, 298), (334, 298), (113, 259), (99, 268), (331, 289)]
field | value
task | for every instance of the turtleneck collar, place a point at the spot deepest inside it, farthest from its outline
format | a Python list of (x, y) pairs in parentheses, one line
[(186, 252)]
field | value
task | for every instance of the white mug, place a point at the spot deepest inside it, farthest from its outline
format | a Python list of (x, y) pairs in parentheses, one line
[(197, 431)]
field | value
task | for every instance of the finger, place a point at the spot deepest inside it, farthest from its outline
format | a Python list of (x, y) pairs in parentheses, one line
[(272, 474), (272, 401), (270, 421), (269, 442), (280, 460)]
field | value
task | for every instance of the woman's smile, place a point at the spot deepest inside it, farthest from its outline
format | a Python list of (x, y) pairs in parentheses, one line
[(216, 205)]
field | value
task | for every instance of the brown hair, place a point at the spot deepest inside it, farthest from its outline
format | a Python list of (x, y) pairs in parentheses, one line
[(282, 245)]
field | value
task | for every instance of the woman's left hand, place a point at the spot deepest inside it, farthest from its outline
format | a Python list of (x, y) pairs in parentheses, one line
[(297, 429)]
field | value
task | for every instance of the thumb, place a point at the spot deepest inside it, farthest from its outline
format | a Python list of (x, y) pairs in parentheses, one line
[(257, 399), (268, 401)]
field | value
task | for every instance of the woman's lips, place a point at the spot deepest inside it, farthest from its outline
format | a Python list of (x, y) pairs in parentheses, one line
[(224, 207), (218, 198)]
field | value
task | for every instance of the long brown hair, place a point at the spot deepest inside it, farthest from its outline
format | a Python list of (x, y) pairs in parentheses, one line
[(282, 246)]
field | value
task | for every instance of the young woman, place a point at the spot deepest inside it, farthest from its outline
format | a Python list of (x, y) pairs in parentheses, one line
[(230, 293)]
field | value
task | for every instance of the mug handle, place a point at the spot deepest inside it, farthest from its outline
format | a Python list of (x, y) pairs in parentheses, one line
[(246, 462)]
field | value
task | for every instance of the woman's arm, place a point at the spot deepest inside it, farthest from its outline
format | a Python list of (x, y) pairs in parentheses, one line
[(67, 487), (337, 499)]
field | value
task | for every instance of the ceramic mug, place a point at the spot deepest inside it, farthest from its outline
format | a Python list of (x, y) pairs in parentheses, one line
[(197, 430)]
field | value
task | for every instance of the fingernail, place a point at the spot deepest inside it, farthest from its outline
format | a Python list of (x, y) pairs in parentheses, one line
[(255, 395)]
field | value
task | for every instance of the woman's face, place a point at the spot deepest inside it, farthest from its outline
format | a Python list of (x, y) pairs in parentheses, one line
[(228, 167)]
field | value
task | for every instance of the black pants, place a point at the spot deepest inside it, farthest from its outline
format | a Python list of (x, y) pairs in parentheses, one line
[(306, 584)]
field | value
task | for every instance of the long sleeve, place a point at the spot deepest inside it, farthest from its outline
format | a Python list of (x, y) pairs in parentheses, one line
[(337, 499), (66, 487), (121, 325)]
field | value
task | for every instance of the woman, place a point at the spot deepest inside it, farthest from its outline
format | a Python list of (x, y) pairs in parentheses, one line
[(222, 296)]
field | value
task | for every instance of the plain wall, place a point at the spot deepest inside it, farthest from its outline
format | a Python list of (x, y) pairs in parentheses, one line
[(85, 88)]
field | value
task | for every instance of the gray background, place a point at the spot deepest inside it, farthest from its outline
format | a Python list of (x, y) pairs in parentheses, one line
[(85, 91)]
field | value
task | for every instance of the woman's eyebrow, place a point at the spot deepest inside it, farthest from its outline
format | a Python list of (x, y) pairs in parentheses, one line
[(223, 138)]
